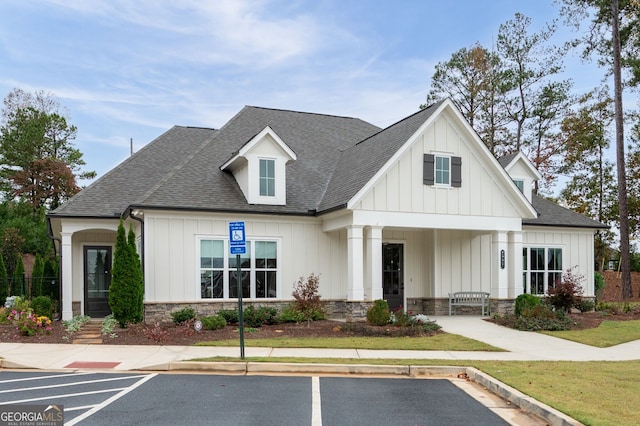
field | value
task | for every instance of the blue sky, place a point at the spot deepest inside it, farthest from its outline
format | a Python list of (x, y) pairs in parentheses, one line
[(132, 69)]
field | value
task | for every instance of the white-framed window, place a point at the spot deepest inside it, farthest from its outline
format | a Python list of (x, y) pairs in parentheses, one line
[(520, 184), (218, 269), (267, 177), (442, 170), (541, 268)]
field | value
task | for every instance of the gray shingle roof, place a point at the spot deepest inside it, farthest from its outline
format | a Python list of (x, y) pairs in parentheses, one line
[(552, 214), (181, 169), (359, 163), (337, 156)]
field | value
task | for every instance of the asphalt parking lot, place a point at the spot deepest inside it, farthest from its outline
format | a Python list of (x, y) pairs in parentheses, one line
[(94, 398)]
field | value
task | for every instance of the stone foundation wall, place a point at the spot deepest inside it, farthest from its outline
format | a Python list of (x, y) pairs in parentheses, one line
[(351, 311), (75, 308)]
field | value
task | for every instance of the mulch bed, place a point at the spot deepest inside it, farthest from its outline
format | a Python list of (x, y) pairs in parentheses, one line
[(169, 334)]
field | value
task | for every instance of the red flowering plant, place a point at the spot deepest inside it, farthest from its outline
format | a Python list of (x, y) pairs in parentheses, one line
[(28, 323)]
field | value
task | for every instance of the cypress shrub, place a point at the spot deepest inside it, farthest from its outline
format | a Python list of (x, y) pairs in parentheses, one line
[(37, 277), (124, 292), (4, 282), (17, 281)]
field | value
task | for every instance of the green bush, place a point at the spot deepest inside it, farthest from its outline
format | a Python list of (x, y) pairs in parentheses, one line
[(586, 305), (42, 306), (379, 314), (183, 315), (229, 315), (524, 302), (291, 314), (598, 283), (214, 322)]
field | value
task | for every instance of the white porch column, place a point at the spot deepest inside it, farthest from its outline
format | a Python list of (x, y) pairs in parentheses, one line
[(374, 262), (514, 255), (500, 282), (355, 270), (67, 276)]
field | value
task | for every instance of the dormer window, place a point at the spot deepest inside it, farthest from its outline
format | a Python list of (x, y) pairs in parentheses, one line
[(260, 168), (267, 177), (520, 184)]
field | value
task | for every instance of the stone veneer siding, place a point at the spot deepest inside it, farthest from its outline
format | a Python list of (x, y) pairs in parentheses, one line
[(351, 311)]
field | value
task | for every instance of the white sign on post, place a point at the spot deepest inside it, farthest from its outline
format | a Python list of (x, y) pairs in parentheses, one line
[(237, 239)]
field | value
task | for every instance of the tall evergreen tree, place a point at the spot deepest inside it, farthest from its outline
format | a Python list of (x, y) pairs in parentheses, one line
[(37, 277), (17, 280), (4, 282), (124, 292), (136, 273)]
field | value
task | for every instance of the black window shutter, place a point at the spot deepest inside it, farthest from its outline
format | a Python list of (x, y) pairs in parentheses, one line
[(428, 169), (456, 172)]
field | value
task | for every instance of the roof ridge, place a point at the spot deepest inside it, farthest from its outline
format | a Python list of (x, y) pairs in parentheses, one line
[(434, 105), (305, 112)]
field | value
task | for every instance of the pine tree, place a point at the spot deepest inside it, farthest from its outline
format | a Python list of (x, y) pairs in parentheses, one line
[(4, 282)]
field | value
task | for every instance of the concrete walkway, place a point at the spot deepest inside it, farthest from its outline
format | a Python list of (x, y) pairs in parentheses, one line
[(519, 345)]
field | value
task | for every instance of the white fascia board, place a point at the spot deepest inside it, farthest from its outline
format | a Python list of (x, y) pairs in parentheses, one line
[(337, 220), (255, 140), (435, 221), (521, 157), (74, 225), (528, 210), (385, 168)]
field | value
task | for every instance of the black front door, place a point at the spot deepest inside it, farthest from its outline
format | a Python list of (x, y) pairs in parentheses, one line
[(393, 274), (97, 279)]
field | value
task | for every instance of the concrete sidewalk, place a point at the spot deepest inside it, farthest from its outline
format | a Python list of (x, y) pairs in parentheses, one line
[(518, 345)]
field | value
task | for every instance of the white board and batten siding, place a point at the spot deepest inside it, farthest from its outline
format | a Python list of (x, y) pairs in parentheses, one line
[(577, 249), (484, 192), (172, 272)]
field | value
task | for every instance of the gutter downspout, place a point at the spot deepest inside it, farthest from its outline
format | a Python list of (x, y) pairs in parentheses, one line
[(59, 240)]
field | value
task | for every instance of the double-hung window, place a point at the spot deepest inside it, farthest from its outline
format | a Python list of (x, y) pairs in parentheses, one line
[(442, 170), (267, 177), (541, 269), (218, 269)]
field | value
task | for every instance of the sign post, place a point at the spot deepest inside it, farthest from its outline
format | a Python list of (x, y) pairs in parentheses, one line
[(238, 246)]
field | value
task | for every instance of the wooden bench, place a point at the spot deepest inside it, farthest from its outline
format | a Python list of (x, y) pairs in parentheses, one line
[(469, 298)]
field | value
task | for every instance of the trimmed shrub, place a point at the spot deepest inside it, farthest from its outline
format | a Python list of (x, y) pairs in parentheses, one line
[(291, 314), (379, 314), (229, 315), (525, 302), (42, 306), (183, 315), (214, 322), (4, 281), (586, 305)]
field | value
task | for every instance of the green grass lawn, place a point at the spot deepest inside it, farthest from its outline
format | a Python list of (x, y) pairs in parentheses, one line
[(609, 333), (439, 342), (594, 393)]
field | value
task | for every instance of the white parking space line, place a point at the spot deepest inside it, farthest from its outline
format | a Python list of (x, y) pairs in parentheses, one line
[(110, 400), (55, 376), (68, 395), (316, 402), (62, 385)]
